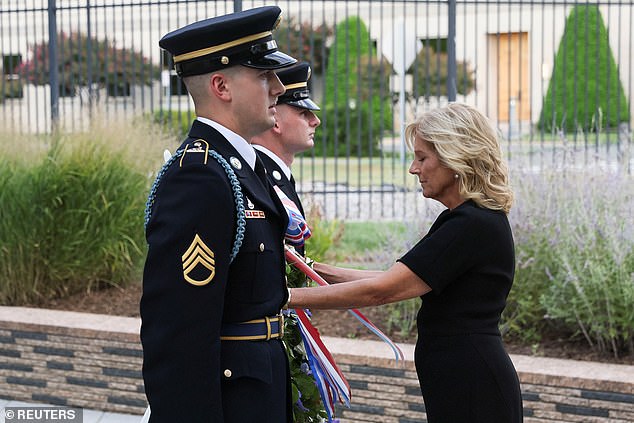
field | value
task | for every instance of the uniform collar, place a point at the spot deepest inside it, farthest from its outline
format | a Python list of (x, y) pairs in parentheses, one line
[(240, 144), (276, 159)]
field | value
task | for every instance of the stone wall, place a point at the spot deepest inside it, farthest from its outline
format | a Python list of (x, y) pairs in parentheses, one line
[(94, 361)]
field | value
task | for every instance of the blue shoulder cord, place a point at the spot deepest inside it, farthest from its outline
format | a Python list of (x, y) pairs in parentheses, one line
[(235, 187)]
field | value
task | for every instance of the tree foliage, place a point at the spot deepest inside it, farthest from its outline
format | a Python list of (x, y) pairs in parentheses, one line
[(585, 92), (304, 42), (10, 88), (357, 103), (83, 60), (430, 73)]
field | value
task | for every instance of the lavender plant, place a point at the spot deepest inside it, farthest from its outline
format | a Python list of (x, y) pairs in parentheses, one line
[(575, 257)]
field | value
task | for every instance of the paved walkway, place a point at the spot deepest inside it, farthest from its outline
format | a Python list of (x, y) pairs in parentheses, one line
[(89, 416)]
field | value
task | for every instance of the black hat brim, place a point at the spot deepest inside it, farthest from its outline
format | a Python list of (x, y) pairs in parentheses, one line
[(273, 60), (305, 103)]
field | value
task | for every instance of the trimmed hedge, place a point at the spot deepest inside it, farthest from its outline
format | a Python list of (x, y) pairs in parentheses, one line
[(585, 92), (357, 103)]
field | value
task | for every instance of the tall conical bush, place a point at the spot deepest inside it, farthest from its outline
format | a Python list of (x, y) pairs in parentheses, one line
[(585, 92), (357, 102)]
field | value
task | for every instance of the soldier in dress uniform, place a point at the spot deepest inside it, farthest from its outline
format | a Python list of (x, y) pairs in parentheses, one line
[(213, 282), (293, 132)]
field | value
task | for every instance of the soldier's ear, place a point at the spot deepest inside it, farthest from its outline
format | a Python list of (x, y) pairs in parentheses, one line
[(276, 128), (219, 87)]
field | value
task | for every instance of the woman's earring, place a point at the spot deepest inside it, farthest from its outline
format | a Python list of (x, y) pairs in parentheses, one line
[(456, 176)]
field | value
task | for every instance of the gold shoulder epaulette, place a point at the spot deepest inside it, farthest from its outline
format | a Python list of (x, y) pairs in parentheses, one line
[(194, 147)]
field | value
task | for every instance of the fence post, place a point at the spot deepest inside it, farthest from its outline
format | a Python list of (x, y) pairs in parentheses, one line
[(451, 52), (237, 6), (53, 71), (91, 93)]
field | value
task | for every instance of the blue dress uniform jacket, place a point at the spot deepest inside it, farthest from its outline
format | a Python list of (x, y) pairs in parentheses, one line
[(287, 186), (190, 374)]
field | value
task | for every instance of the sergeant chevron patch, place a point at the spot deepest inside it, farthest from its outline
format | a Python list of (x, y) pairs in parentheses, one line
[(199, 266)]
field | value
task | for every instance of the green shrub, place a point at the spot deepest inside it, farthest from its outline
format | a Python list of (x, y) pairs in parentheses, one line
[(357, 103), (10, 88), (533, 232), (111, 66), (71, 212), (326, 234), (575, 267), (430, 73), (304, 42), (402, 317), (176, 122), (585, 92)]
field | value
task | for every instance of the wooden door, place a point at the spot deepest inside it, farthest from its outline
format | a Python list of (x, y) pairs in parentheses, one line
[(513, 77)]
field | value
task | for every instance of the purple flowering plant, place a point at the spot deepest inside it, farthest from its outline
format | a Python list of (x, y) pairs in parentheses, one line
[(575, 257)]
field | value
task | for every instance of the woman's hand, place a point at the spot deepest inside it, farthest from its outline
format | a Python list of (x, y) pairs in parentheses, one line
[(334, 274)]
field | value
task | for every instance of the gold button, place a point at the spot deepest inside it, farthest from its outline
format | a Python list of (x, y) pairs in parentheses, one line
[(227, 373), (261, 247)]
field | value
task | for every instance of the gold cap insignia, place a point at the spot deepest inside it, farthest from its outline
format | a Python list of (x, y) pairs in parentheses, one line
[(198, 255), (224, 60)]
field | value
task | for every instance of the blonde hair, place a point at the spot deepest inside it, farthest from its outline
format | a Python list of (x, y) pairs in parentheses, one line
[(466, 143)]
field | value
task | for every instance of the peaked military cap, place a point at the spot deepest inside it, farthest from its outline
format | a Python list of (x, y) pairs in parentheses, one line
[(295, 80), (241, 38)]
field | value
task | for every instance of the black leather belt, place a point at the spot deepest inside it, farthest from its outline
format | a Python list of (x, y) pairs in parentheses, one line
[(254, 330)]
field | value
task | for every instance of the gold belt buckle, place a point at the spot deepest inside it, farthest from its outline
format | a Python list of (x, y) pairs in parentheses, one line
[(280, 318), (267, 320)]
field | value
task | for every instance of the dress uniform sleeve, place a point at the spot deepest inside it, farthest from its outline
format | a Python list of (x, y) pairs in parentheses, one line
[(190, 236)]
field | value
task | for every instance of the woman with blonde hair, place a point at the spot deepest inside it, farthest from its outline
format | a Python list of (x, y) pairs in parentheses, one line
[(462, 269)]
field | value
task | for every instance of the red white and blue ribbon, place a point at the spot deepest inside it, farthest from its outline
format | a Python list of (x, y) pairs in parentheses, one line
[(298, 261), (297, 231), (331, 383)]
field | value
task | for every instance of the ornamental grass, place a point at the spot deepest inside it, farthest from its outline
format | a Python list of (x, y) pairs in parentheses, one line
[(71, 210)]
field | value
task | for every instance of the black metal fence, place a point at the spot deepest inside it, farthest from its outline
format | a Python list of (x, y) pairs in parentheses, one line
[(555, 76)]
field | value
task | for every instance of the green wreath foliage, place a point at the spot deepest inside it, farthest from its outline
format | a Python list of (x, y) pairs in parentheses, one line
[(307, 405)]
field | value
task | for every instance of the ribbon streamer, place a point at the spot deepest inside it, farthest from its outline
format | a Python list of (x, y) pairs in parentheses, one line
[(298, 261), (330, 381)]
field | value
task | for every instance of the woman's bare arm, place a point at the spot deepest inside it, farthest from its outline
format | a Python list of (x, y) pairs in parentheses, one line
[(396, 284), (334, 274)]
